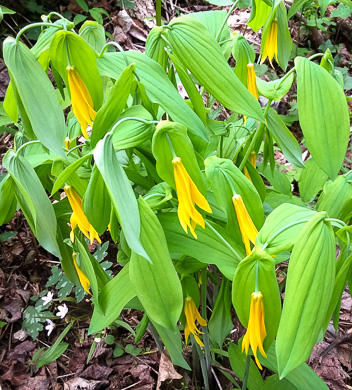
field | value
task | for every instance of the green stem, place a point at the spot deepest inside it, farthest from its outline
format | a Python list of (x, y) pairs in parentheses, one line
[(246, 372), (155, 337), (202, 363), (41, 24), (26, 144), (174, 155), (221, 146), (204, 315), (254, 139), (257, 277), (271, 238), (158, 12), (225, 20), (56, 14)]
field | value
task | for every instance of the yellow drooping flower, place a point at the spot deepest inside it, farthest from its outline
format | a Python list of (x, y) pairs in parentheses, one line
[(188, 197), (256, 331), (82, 278), (82, 103), (253, 161), (78, 217), (251, 81), (192, 315), (248, 230), (270, 44)]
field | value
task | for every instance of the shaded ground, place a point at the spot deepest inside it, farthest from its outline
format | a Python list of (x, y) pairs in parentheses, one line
[(115, 363)]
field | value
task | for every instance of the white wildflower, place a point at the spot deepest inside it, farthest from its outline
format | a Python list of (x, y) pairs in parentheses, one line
[(50, 327), (48, 298), (63, 309)]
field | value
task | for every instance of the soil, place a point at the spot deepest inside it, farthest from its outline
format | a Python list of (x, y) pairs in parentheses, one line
[(25, 267)]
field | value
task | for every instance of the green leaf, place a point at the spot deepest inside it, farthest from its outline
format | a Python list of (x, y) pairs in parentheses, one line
[(110, 111), (282, 227), (96, 202), (296, 6), (341, 190), (220, 323), (243, 53), (190, 40), (8, 201), (158, 87), (284, 138), (302, 377), (259, 14), (309, 287), (83, 5), (284, 42), (238, 364), (113, 297), (311, 181), (213, 246), (212, 21), (121, 193), (323, 115), (33, 201), (183, 148), (155, 46), (83, 57), (36, 94), (93, 33), (244, 283), (156, 284), (276, 89), (173, 344), (225, 180), (132, 132)]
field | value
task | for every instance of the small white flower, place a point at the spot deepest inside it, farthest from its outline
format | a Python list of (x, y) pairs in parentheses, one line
[(50, 327), (48, 298), (97, 340), (63, 309)]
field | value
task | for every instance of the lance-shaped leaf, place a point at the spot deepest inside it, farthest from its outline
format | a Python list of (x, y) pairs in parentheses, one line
[(258, 262), (311, 181), (183, 148), (94, 34), (157, 85), (336, 198), (80, 55), (200, 53), (108, 114), (225, 178), (212, 246), (113, 297), (8, 201), (286, 141), (156, 284), (282, 227), (309, 287), (96, 202), (243, 53), (275, 89), (35, 95), (33, 201), (155, 46), (121, 194), (323, 115)]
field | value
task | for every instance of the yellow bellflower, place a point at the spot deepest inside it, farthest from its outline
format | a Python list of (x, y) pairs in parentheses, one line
[(192, 315), (253, 161), (82, 278), (82, 103), (256, 331), (248, 230), (188, 196), (78, 217), (251, 81), (270, 45)]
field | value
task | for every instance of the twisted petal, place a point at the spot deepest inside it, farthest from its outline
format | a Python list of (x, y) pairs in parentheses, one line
[(248, 230), (270, 46), (188, 197), (82, 278), (192, 315), (256, 331), (78, 217), (251, 82), (82, 103)]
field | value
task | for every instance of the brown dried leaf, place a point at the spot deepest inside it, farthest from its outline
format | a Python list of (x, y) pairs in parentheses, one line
[(166, 371)]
